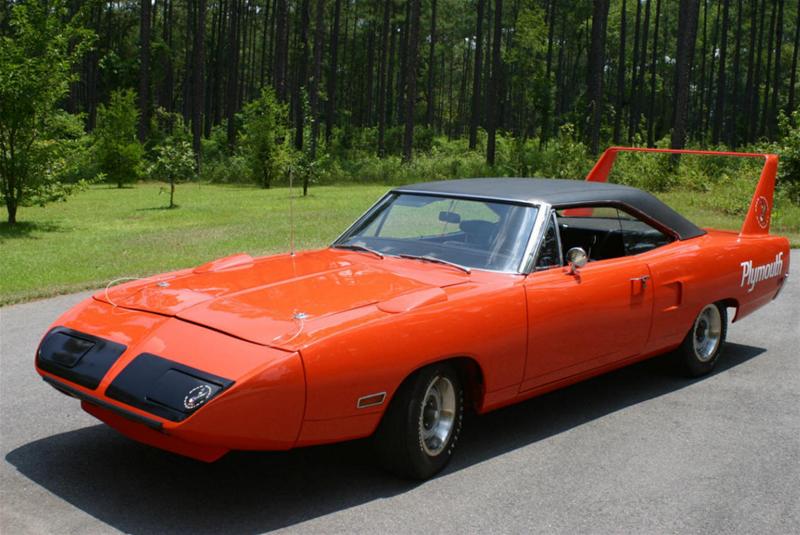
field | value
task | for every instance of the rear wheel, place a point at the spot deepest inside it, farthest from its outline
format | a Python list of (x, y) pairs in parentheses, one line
[(420, 429), (703, 344)]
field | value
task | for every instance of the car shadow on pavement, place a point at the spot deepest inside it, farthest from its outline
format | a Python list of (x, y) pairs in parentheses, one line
[(138, 489)]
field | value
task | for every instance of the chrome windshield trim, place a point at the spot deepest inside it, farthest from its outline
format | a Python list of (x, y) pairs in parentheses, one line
[(558, 237), (535, 239)]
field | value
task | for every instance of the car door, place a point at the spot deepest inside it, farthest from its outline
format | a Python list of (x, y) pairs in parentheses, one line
[(595, 316)]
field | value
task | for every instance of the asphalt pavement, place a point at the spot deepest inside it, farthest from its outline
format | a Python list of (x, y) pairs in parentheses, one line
[(640, 450)]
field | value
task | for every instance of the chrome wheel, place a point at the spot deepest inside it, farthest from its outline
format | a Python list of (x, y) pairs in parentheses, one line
[(707, 333), (437, 415)]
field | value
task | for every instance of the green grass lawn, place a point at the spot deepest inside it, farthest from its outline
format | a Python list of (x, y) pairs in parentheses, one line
[(105, 233)]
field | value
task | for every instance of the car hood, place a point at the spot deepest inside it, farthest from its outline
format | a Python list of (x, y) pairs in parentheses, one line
[(268, 300)]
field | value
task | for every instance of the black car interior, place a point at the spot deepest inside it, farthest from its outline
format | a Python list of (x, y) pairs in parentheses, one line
[(603, 233)]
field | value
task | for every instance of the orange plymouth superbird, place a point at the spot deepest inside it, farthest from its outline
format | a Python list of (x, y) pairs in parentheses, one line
[(443, 297)]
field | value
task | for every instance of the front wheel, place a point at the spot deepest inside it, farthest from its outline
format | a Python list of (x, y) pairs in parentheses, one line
[(703, 344), (419, 431)]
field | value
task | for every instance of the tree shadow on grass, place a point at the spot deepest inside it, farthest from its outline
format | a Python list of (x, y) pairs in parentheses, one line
[(138, 489), (158, 208), (26, 229)]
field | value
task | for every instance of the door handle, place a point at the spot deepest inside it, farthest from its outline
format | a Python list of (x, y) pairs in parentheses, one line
[(643, 279)]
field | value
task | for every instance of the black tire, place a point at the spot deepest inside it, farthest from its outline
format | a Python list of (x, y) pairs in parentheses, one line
[(700, 350), (401, 442)]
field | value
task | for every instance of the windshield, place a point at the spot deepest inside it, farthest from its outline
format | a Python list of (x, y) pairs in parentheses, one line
[(471, 233)]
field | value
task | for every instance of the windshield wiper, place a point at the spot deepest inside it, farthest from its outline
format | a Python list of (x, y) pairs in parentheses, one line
[(435, 260), (355, 247)]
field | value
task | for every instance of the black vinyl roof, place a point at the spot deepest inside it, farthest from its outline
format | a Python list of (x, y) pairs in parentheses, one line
[(562, 193)]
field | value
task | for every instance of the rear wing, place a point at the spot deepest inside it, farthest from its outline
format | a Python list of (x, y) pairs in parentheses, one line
[(758, 217)]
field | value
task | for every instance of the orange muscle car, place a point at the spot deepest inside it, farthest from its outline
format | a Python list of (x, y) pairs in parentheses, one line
[(443, 297)]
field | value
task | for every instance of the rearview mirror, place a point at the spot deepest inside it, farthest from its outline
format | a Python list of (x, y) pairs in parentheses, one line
[(576, 259), (449, 217)]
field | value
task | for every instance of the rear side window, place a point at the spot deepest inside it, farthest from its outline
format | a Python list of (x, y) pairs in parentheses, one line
[(606, 232)]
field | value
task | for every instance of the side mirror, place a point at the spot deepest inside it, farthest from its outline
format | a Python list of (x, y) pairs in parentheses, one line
[(576, 259)]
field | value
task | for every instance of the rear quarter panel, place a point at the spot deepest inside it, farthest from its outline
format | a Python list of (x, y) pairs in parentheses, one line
[(691, 274)]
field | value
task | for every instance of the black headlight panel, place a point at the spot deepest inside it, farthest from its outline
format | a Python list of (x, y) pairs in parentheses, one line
[(78, 357), (164, 387)]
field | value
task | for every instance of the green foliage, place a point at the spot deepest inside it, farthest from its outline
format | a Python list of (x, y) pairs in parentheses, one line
[(167, 127), (174, 162), (118, 152), (789, 149), (38, 144), (265, 139)]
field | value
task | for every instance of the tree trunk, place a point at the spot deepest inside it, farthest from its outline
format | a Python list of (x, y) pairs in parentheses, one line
[(687, 33), (620, 74), (370, 78), (431, 71), (709, 97), (634, 65), (744, 133), (390, 85), (732, 120), (334, 66), (597, 60), (638, 85), (699, 101), (92, 69), (11, 209), (265, 27), (462, 94), (314, 85), (719, 108), (302, 78), (651, 107), (412, 56), (475, 115), (547, 105), (198, 81), (772, 122), (144, 69), (790, 108), (496, 84), (231, 94), (382, 68), (561, 67), (752, 117), (765, 111), (219, 61), (281, 50)]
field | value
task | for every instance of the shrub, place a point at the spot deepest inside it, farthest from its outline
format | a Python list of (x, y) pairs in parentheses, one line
[(265, 140), (789, 149), (118, 152), (227, 170)]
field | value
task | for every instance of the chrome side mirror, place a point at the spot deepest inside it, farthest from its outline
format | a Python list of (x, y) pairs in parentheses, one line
[(576, 259)]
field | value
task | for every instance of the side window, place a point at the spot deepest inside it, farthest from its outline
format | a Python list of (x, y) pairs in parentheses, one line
[(638, 236), (548, 251), (606, 232)]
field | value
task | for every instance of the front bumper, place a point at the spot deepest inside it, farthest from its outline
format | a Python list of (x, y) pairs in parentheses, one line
[(179, 386)]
